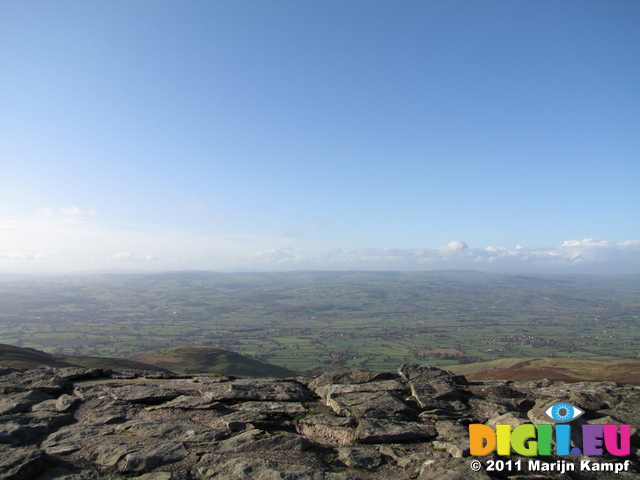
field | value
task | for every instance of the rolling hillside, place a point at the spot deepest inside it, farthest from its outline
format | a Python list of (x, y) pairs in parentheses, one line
[(177, 359), (211, 360), (194, 360), (563, 369), (19, 357)]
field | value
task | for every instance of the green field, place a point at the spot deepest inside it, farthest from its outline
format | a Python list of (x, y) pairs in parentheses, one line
[(306, 320)]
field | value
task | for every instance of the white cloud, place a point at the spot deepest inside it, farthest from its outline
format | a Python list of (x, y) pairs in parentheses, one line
[(63, 244), (275, 257), (68, 212), (16, 256), (47, 211), (452, 248), (584, 256)]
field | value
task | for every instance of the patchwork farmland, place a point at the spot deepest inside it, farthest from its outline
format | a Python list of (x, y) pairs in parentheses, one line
[(305, 321)]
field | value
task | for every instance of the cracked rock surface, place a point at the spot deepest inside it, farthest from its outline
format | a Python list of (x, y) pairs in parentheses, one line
[(77, 424)]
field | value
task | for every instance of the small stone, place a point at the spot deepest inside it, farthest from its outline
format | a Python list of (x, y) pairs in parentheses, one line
[(358, 457), (66, 402)]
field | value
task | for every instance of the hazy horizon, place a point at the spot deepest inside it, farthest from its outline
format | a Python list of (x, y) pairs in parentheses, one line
[(337, 135)]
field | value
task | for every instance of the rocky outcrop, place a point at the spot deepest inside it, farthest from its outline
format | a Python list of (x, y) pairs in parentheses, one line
[(75, 424)]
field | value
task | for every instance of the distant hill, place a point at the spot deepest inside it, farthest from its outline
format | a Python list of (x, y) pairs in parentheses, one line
[(28, 357), (212, 360), (563, 369), (176, 359), (19, 357), (193, 360)]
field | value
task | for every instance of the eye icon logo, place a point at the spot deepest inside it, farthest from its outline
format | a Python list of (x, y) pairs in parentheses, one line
[(563, 412)]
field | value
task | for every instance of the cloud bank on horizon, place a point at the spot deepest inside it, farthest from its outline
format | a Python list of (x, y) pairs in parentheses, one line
[(70, 240)]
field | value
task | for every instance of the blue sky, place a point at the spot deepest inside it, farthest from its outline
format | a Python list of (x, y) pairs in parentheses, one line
[(279, 135)]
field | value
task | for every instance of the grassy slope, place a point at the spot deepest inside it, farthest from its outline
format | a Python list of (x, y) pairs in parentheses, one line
[(19, 357), (212, 360), (108, 362), (28, 357), (567, 369)]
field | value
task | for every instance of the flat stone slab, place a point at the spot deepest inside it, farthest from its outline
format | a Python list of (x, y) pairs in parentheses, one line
[(451, 469), (20, 402), (496, 389), (358, 457), (242, 420), (287, 408), (412, 372), (243, 468), (142, 393), (149, 458), (188, 402), (237, 441), (109, 454), (285, 442), (21, 462), (410, 460), (184, 430), (438, 389), (438, 395), (43, 379), (26, 427), (386, 431), (452, 438), (62, 473), (368, 404), (81, 373), (509, 418), (382, 386), (329, 429), (483, 409), (74, 436), (105, 411), (263, 390), (349, 377)]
